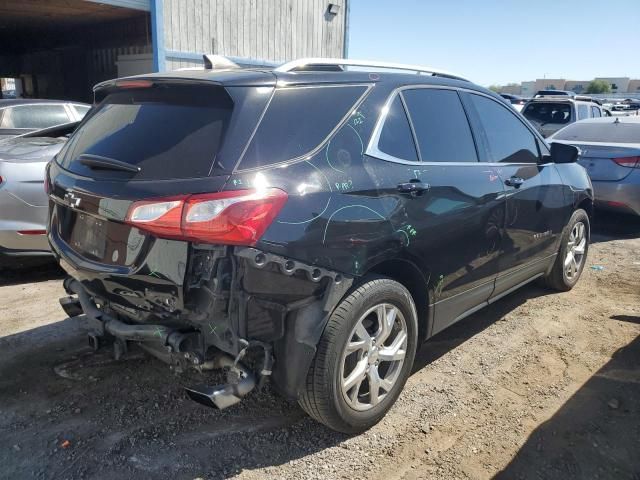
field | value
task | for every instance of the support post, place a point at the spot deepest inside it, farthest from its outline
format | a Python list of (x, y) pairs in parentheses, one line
[(157, 35)]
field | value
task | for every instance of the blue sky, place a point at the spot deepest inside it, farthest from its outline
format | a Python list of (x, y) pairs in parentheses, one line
[(491, 41)]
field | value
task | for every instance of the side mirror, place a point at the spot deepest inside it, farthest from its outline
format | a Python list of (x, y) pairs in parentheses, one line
[(563, 153)]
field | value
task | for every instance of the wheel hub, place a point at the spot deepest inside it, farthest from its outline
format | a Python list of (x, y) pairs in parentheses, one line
[(373, 356), (576, 249)]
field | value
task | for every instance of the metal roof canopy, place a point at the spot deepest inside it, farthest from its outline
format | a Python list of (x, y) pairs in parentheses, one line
[(35, 14), (144, 5), (37, 25)]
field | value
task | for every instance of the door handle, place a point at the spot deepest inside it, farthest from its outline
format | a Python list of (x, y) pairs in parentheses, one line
[(413, 188), (514, 181)]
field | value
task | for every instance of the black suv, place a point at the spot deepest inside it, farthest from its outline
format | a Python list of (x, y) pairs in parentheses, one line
[(310, 223)]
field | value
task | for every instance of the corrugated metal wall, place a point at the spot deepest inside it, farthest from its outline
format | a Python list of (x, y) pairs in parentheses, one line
[(103, 61), (275, 30)]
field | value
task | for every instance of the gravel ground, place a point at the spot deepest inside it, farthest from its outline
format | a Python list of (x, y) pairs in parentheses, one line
[(539, 385)]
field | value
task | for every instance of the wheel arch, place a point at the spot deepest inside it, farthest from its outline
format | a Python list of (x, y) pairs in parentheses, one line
[(409, 275), (586, 204)]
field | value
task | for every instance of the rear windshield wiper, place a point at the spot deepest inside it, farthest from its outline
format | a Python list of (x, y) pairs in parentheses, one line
[(106, 163)]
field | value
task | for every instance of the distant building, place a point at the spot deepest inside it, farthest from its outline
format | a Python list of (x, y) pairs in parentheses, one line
[(578, 86), (528, 89), (617, 84), (550, 84), (634, 87), (513, 89)]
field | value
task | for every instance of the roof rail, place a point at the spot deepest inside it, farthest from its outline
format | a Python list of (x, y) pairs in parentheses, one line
[(306, 64)]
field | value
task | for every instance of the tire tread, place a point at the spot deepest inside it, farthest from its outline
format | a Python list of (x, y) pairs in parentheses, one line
[(314, 397)]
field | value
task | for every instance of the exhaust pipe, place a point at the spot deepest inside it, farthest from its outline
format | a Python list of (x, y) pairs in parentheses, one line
[(227, 395), (219, 396), (124, 331)]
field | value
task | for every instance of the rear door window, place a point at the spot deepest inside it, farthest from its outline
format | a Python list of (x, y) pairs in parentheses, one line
[(396, 138), (441, 126), (34, 116), (507, 138), (169, 131), (595, 112), (297, 120)]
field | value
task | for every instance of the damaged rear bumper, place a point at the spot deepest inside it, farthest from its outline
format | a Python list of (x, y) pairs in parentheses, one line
[(235, 299)]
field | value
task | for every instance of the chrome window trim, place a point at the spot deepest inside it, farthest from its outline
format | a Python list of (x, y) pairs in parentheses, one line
[(373, 150), (372, 147), (412, 128)]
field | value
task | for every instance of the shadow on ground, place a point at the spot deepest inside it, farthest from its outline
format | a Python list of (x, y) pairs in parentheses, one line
[(596, 433), (34, 271), (611, 226), (462, 331)]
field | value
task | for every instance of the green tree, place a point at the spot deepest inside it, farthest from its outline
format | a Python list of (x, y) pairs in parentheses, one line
[(495, 88), (598, 86)]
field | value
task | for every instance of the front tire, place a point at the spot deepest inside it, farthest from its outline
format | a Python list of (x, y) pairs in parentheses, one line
[(364, 357), (572, 255)]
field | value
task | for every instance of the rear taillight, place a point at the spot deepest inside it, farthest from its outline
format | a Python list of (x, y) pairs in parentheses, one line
[(238, 217), (629, 162)]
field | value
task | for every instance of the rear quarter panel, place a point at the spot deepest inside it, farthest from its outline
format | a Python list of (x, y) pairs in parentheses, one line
[(23, 201)]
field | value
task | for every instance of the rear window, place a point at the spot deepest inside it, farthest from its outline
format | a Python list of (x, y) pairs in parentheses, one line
[(169, 131), (553, 92), (297, 120), (610, 132), (548, 112), (34, 116)]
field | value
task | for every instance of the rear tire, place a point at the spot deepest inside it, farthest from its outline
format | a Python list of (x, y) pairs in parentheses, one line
[(572, 255), (361, 364)]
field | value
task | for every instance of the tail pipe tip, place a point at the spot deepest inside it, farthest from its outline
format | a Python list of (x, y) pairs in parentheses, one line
[(226, 395)]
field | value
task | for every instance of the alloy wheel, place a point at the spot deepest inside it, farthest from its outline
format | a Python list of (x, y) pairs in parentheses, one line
[(373, 357), (576, 247)]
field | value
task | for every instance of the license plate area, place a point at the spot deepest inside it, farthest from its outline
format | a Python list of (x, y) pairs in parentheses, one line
[(100, 240), (89, 236)]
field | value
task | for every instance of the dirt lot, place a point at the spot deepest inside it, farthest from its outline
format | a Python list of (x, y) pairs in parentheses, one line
[(539, 385)]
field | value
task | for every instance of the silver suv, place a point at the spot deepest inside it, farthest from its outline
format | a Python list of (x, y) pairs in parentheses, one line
[(548, 114)]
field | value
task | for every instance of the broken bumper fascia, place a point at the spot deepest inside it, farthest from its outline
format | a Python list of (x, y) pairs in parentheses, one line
[(235, 299)]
